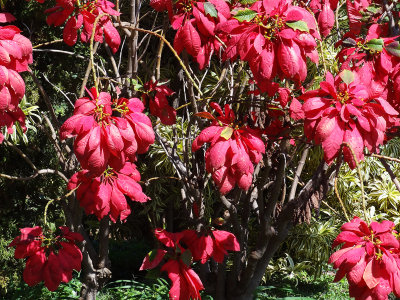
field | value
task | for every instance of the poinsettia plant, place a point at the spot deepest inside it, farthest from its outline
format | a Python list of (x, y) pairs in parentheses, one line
[(204, 116)]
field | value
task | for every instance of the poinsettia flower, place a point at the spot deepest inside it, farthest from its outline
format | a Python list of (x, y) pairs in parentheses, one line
[(276, 40), (105, 194), (212, 244), (359, 15), (8, 119), (341, 113), (186, 284), (367, 258), (76, 16), (12, 89), (15, 49), (233, 150), (49, 259), (158, 102), (104, 139), (195, 22)]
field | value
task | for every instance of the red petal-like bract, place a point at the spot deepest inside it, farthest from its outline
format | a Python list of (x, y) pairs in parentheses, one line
[(159, 105), (269, 43), (105, 194), (75, 16), (369, 259), (103, 139), (233, 151), (215, 245), (347, 116), (186, 284), (52, 263), (15, 55)]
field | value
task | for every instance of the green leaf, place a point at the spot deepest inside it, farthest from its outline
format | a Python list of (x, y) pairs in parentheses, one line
[(298, 25), (347, 76), (245, 15), (372, 9), (227, 132), (375, 44), (247, 2), (136, 85), (394, 48), (209, 9)]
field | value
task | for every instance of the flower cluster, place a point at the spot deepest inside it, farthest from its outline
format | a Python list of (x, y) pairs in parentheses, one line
[(275, 40), (49, 259), (157, 94), (234, 148), (109, 135), (183, 247), (324, 13), (105, 194), (83, 15), (341, 112), (369, 258), (15, 55), (195, 22)]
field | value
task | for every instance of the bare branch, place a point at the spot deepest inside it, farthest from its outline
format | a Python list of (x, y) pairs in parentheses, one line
[(391, 174), (38, 172)]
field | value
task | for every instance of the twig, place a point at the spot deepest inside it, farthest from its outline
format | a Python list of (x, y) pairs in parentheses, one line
[(46, 99), (22, 154), (298, 173), (172, 50), (364, 204), (385, 157), (96, 85), (340, 199), (48, 43), (391, 174), (38, 172)]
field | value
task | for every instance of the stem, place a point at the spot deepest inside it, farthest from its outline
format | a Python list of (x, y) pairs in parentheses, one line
[(96, 85), (172, 50), (364, 204), (45, 212), (340, 200)]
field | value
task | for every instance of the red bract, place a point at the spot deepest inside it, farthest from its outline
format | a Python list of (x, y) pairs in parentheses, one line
[(15, 49), (342, 112), (15, 55), (8, 118), (359, 15), (103, 139), (215, 244), (49, 259), (12, 89), (196, 22), (276, 40), (105, 195), (85, 15), (368, 258), (158, 103), (324, 13), (233, 150), (186, 284), (132, 111)]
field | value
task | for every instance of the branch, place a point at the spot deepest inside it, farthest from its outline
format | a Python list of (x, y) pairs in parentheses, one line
[(299, 170), (128, 26), (22, 154), (38, 172), (391, 174), (46, 99)]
